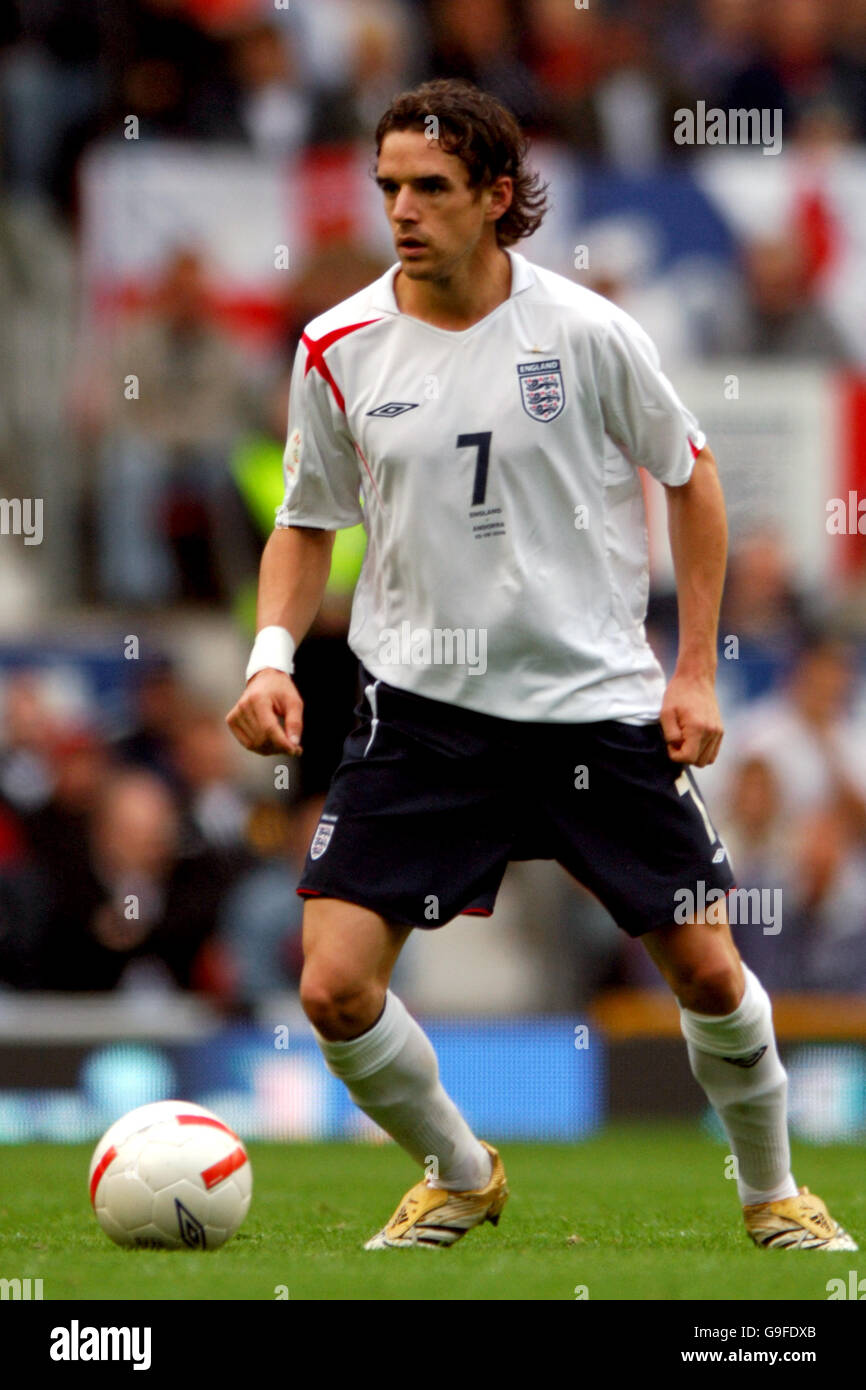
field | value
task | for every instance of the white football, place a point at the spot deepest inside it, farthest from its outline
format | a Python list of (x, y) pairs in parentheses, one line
[(170, 1174)]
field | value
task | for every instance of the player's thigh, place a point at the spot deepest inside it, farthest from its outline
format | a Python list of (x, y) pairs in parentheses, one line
[(700, 962), (631, 827), (347, 948)]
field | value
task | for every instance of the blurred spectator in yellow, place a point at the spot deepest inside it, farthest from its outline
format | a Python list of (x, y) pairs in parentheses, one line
[(326, 671)]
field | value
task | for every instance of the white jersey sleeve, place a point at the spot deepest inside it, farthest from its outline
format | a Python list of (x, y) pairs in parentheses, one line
[(642, 412), (320, 465)]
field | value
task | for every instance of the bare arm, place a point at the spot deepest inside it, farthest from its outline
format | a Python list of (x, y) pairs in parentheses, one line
[(294, 571), (293, 574), (698, 532)]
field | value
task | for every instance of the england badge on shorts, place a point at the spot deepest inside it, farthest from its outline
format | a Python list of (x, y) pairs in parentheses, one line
[(322, 837), (541, 388)]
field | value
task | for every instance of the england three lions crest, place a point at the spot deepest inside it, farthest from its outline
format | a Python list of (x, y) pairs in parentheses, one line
[(322, 837), (541, 388)]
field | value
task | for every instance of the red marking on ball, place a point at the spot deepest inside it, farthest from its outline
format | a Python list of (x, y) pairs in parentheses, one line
[(108, 1157), (217, 1172), (205, 1120)]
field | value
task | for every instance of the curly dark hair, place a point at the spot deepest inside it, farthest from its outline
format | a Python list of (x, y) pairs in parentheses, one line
[(482, 132)]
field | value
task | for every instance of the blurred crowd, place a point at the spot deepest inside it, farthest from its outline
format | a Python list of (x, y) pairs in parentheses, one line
[(140, 858), (604, 82)]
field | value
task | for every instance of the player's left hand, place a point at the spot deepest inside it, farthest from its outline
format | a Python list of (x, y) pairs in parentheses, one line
[(691, 720)]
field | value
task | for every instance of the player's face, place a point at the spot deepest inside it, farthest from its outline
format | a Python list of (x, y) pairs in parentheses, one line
[(436, 218)]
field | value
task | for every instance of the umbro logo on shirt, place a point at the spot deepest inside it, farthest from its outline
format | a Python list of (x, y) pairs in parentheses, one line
[(393, 408)]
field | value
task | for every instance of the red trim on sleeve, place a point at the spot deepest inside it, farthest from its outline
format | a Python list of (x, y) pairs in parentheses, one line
[(316, 349)]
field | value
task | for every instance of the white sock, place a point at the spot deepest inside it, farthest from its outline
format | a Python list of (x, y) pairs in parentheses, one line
[(748, 1096), (392, 1074)]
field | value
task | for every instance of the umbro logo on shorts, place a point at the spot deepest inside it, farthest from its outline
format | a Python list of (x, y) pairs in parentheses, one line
[(393, 408), (750, 1061)]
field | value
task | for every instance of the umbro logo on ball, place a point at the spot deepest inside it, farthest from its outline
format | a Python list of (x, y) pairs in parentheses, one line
[(393, 408), (192, 1232)]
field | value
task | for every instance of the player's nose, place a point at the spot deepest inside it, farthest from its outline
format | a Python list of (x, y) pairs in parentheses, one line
[(403, 209)]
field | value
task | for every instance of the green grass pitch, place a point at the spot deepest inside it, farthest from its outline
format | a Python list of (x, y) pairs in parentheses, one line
[(638, 1212)]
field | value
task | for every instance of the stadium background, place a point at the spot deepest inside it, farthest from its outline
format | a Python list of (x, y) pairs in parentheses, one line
[(185, 184)]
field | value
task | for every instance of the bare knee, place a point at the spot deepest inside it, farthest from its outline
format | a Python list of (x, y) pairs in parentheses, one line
[(340, 1009), (701, 964), (349, 953), (710, 986)]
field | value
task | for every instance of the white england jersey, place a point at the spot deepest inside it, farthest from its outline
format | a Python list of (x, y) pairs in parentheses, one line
[(495, 470)]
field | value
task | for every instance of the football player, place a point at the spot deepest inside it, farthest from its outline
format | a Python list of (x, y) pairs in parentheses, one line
[(486, 419)]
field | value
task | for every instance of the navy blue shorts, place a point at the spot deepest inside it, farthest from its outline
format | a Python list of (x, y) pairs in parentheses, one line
[(431, 801)]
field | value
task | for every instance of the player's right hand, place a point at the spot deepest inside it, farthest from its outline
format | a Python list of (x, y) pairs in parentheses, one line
[(268, 717)]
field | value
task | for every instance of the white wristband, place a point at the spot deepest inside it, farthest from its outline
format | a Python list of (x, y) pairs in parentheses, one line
[(274, 647)]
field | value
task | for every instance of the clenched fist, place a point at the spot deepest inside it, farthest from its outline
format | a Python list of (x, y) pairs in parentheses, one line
[(268, 717)]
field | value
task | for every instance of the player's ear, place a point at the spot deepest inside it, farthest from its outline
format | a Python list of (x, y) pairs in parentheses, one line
[(501, 196)]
